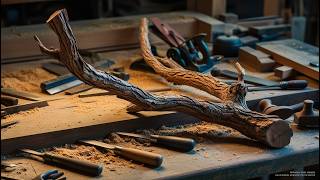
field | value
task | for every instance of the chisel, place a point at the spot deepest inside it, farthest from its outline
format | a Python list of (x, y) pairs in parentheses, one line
[(283, 85), (75, 164), (144, 157), (178, 143)]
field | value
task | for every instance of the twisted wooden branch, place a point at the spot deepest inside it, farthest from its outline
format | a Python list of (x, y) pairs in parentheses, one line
[(180, 75), (267, 129)]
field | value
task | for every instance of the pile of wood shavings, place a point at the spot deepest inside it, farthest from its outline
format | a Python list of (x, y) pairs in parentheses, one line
[(198, 131), (90, 153), (26, 79)]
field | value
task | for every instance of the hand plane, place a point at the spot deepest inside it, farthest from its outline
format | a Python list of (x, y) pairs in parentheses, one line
[(192, 54)]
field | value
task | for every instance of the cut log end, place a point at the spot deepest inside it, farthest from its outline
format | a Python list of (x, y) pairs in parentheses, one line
[(279, 134)]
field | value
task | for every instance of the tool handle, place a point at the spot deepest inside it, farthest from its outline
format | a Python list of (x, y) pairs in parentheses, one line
[(264, 104), (182, 144), (144, 157), (294, 84), (80, 165)]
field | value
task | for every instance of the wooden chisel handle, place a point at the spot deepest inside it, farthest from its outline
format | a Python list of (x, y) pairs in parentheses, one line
[(144, 157), (181, 144), (75, 164)]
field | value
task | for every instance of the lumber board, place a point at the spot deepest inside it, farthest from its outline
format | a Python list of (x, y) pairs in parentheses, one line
[(18, 42), (293, 53), (127, 122)]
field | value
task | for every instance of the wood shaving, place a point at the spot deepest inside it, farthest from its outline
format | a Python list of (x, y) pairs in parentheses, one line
[(90, 153)]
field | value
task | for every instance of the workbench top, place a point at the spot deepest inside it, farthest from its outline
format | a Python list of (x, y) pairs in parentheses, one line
[(68, 119), (220, 158)]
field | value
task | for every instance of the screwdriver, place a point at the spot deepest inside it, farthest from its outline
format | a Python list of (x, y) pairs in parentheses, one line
[(144, 157), (75, 164), (283, 85), (178, 143)]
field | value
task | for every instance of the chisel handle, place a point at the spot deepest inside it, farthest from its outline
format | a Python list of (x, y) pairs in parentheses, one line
[(75, 164), (181, 144), (294, 84), (144, 157)]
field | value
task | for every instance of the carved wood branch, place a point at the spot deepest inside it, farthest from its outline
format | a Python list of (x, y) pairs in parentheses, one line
[(267, 129)]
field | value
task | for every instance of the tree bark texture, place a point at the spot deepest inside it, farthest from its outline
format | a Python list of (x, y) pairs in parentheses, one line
[(231, 112)]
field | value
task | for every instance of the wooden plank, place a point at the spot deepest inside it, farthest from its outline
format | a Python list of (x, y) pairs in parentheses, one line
[(18, 42), (293, 53), (70, 134)]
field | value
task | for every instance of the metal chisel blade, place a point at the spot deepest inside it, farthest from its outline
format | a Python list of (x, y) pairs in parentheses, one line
[(98, 144), (132, 135), (63, 87)]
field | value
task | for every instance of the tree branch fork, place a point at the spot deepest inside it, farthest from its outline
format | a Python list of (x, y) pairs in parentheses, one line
[(232, 111)]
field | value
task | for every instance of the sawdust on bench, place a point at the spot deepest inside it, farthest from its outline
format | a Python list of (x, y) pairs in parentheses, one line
[(199, 131), (26, 79), (90, 153)]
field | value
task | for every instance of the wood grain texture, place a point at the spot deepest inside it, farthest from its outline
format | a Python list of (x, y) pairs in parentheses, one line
[(235, 114)]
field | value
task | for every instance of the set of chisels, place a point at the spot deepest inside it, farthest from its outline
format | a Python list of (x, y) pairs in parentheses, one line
[(149, 159)]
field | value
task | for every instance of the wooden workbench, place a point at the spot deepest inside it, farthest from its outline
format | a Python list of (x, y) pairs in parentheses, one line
[(222, 158)]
